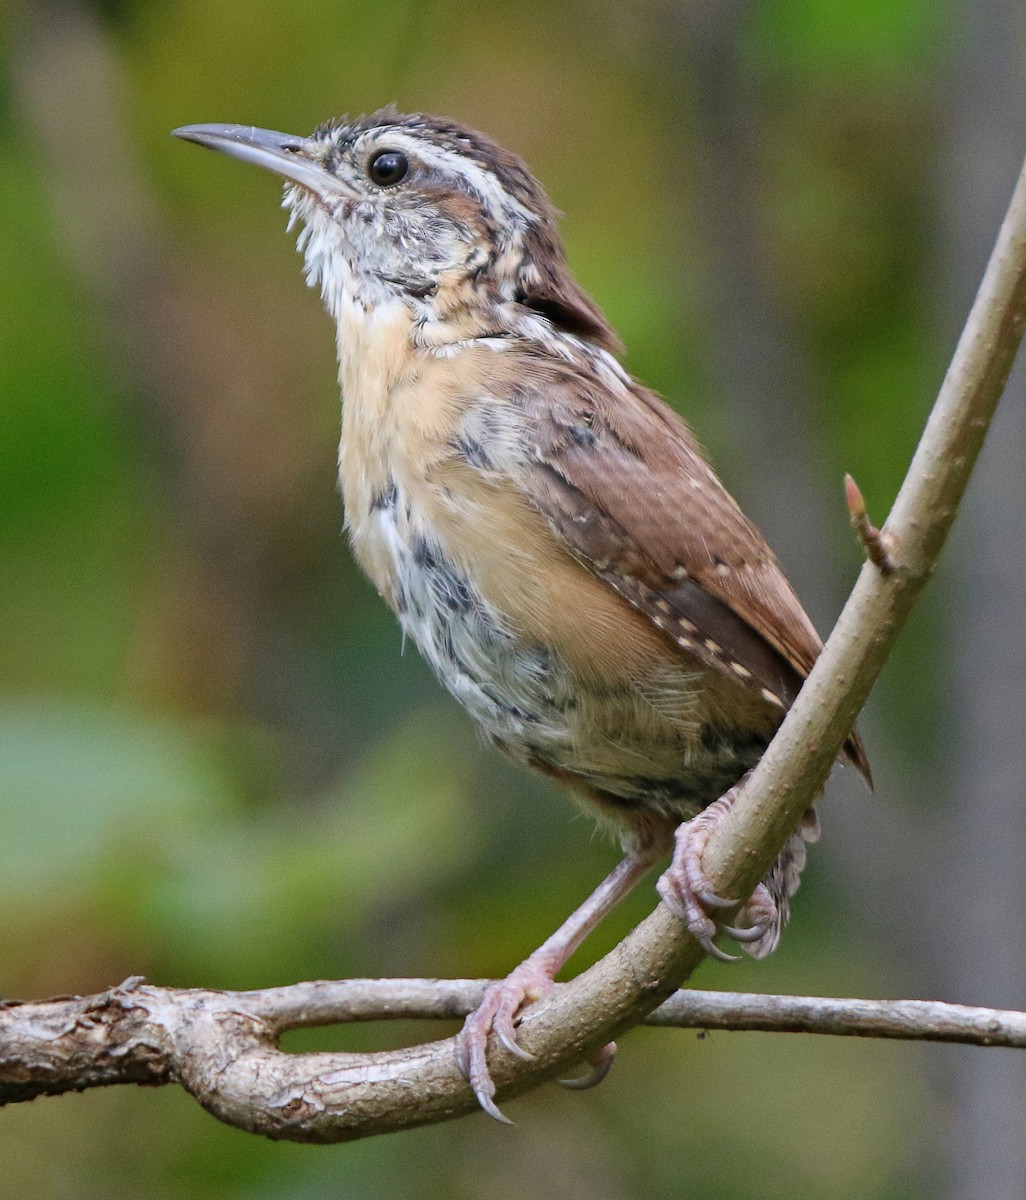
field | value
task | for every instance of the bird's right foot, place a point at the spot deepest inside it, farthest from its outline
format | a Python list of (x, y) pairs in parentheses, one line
[(687, 891)]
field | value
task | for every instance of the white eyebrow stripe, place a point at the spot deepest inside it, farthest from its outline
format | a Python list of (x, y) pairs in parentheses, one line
[(492, 193)]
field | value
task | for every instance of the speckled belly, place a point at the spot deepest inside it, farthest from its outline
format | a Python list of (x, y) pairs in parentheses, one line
[(637, 743)]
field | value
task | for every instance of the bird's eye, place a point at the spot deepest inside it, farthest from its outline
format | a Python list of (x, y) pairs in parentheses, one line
[(388, 167)]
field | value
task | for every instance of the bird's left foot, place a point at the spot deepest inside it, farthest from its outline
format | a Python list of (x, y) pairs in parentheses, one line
[(497, 1014), (686, 890)]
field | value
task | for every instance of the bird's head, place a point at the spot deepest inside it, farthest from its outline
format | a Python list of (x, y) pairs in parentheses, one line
[(405, 207)]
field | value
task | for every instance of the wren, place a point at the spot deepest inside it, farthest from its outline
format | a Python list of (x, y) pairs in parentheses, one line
[(546, 529)]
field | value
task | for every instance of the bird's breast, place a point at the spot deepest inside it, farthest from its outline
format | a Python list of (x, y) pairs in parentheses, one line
[(554, 666)]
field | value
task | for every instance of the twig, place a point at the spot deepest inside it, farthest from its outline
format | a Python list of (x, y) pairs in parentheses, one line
[(873, 540), (909, 1020)]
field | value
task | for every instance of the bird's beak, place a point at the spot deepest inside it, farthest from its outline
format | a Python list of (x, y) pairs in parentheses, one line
[(292, 157)]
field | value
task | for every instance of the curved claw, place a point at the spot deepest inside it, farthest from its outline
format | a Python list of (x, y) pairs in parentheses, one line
[(489, 1106), (751, 933), (600, 1066), (709, 899), (710, 947), (513, 1046)]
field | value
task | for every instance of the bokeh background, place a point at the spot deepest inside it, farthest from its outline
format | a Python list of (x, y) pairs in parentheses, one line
[(216, 766)]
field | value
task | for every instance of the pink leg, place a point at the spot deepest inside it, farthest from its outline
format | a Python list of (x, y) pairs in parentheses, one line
[(533, 979)]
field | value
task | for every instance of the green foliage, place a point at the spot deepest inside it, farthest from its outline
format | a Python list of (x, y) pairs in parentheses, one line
[(870, 39)]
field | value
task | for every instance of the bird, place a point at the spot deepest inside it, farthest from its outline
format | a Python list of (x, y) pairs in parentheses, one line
[(547, 530)]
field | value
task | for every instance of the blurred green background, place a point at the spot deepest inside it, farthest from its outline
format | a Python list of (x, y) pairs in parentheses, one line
[(216, 767)]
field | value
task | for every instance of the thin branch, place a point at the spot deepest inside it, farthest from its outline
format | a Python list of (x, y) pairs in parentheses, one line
[(908, 1020), (223, 1046), (915, 532)]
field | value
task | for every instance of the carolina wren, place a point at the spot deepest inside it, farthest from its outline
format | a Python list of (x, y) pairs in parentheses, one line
[(545, 528)]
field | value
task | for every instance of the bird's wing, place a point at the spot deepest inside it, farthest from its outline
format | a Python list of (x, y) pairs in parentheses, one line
[(620, 478)]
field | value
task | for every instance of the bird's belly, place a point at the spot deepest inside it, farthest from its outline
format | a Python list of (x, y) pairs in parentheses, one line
[(514, 689), (641, 742)]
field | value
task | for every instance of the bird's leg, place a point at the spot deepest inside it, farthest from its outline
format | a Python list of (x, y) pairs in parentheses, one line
[(534, 978), (686, 890)]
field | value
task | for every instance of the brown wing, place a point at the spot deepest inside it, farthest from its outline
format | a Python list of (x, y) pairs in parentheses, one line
[(622, 480)]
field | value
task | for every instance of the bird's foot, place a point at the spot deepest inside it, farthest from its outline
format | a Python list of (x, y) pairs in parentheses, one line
[(686, 890), (497, 1014)]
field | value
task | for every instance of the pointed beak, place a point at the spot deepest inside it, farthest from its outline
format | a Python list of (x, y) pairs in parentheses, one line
[(292, 157)]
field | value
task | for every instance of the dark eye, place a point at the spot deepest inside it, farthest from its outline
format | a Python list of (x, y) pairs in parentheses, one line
[(388, 167)]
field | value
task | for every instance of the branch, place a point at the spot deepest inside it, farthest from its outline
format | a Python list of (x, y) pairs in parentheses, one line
[(223, 1046), (218, 1049), (908, 1020)]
